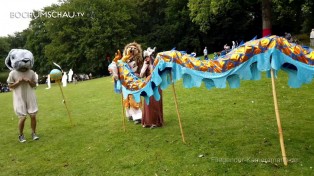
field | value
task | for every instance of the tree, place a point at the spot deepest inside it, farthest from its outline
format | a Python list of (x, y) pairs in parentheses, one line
[(293, 16), (266, 11), (82, 42), (223, 21), (37, 39), (166, 24), (4, 50)]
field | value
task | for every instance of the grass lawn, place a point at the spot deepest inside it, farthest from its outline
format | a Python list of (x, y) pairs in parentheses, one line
[(227, 132)]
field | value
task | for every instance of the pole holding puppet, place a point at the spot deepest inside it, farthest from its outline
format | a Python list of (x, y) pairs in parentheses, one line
[(56, 75), (113, 69)]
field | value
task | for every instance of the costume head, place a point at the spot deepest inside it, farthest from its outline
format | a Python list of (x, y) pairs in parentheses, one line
[(19, 59), (136, 50), (149, 51)]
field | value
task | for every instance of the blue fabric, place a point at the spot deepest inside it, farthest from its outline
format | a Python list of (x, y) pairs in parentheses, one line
[(249, 70)]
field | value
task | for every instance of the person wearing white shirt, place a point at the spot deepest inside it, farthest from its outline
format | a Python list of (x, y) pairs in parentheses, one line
[(205, 53), (64, 79), (70, 74), (312, 38)]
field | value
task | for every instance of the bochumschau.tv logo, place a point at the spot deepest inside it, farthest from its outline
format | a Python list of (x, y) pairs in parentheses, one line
[(49, 14)]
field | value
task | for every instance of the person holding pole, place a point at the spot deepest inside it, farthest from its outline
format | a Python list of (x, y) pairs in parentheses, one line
[(132, 55), (153, 112)]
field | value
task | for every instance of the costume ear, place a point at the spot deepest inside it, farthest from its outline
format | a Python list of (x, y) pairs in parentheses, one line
[(32, 60), (7, 61)]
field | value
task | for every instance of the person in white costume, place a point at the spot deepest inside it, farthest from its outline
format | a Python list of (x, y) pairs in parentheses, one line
[(64, 79), (22, 81), (133, 56), (70, 75), (312, 38), (48, 82)]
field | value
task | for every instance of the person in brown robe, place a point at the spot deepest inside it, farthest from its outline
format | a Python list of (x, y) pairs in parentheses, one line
[(153, 112)]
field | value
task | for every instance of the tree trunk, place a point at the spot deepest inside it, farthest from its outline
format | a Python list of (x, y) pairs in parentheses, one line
[(266, 13)]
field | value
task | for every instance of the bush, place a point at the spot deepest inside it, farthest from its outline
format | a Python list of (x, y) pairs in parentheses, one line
[(303, 39), (4, 76)]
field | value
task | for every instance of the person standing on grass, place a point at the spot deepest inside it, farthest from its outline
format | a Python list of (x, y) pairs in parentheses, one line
[(312, 38), (22, 80), (70, 75), (48, 82), (133, 56), (205, 53), (64, 79), (142, 67), (152, 112)]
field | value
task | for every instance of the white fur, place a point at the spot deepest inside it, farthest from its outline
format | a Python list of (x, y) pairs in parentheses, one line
[(19, 59), (149, 51)]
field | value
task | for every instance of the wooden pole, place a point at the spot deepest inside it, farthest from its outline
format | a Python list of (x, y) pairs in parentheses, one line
[(122, 105), (282, 145), (123, 118), (176, 103), (58, 81)]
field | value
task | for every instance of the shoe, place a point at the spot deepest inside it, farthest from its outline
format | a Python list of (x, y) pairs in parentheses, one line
[(34, 136), (137, 122), (22, 138), (130, 118), (153, 126)]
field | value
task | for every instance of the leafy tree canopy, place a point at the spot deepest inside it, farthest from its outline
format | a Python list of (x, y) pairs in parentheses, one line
[(104, 26)]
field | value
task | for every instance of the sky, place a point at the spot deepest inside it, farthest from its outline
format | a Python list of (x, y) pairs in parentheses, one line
[(11, 20)]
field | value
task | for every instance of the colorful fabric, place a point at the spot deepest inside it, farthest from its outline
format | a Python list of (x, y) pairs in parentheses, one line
[(244, 62)]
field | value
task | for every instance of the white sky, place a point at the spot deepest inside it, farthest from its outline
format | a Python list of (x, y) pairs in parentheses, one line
[(10, 24)]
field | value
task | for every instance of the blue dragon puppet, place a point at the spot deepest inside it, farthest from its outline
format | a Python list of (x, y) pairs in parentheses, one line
[(244, 62)]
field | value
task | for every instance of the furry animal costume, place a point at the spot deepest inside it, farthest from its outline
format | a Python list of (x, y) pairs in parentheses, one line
[(20, 62), (133, 56)]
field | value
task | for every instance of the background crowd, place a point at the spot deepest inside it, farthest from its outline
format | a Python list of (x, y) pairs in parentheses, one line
[(4, 87)]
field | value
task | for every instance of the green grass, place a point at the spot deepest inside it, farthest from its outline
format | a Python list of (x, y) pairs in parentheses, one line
[(226, 132), (210, 56)]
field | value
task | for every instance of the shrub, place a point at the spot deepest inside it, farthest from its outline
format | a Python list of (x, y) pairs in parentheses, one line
[(4, 76)]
